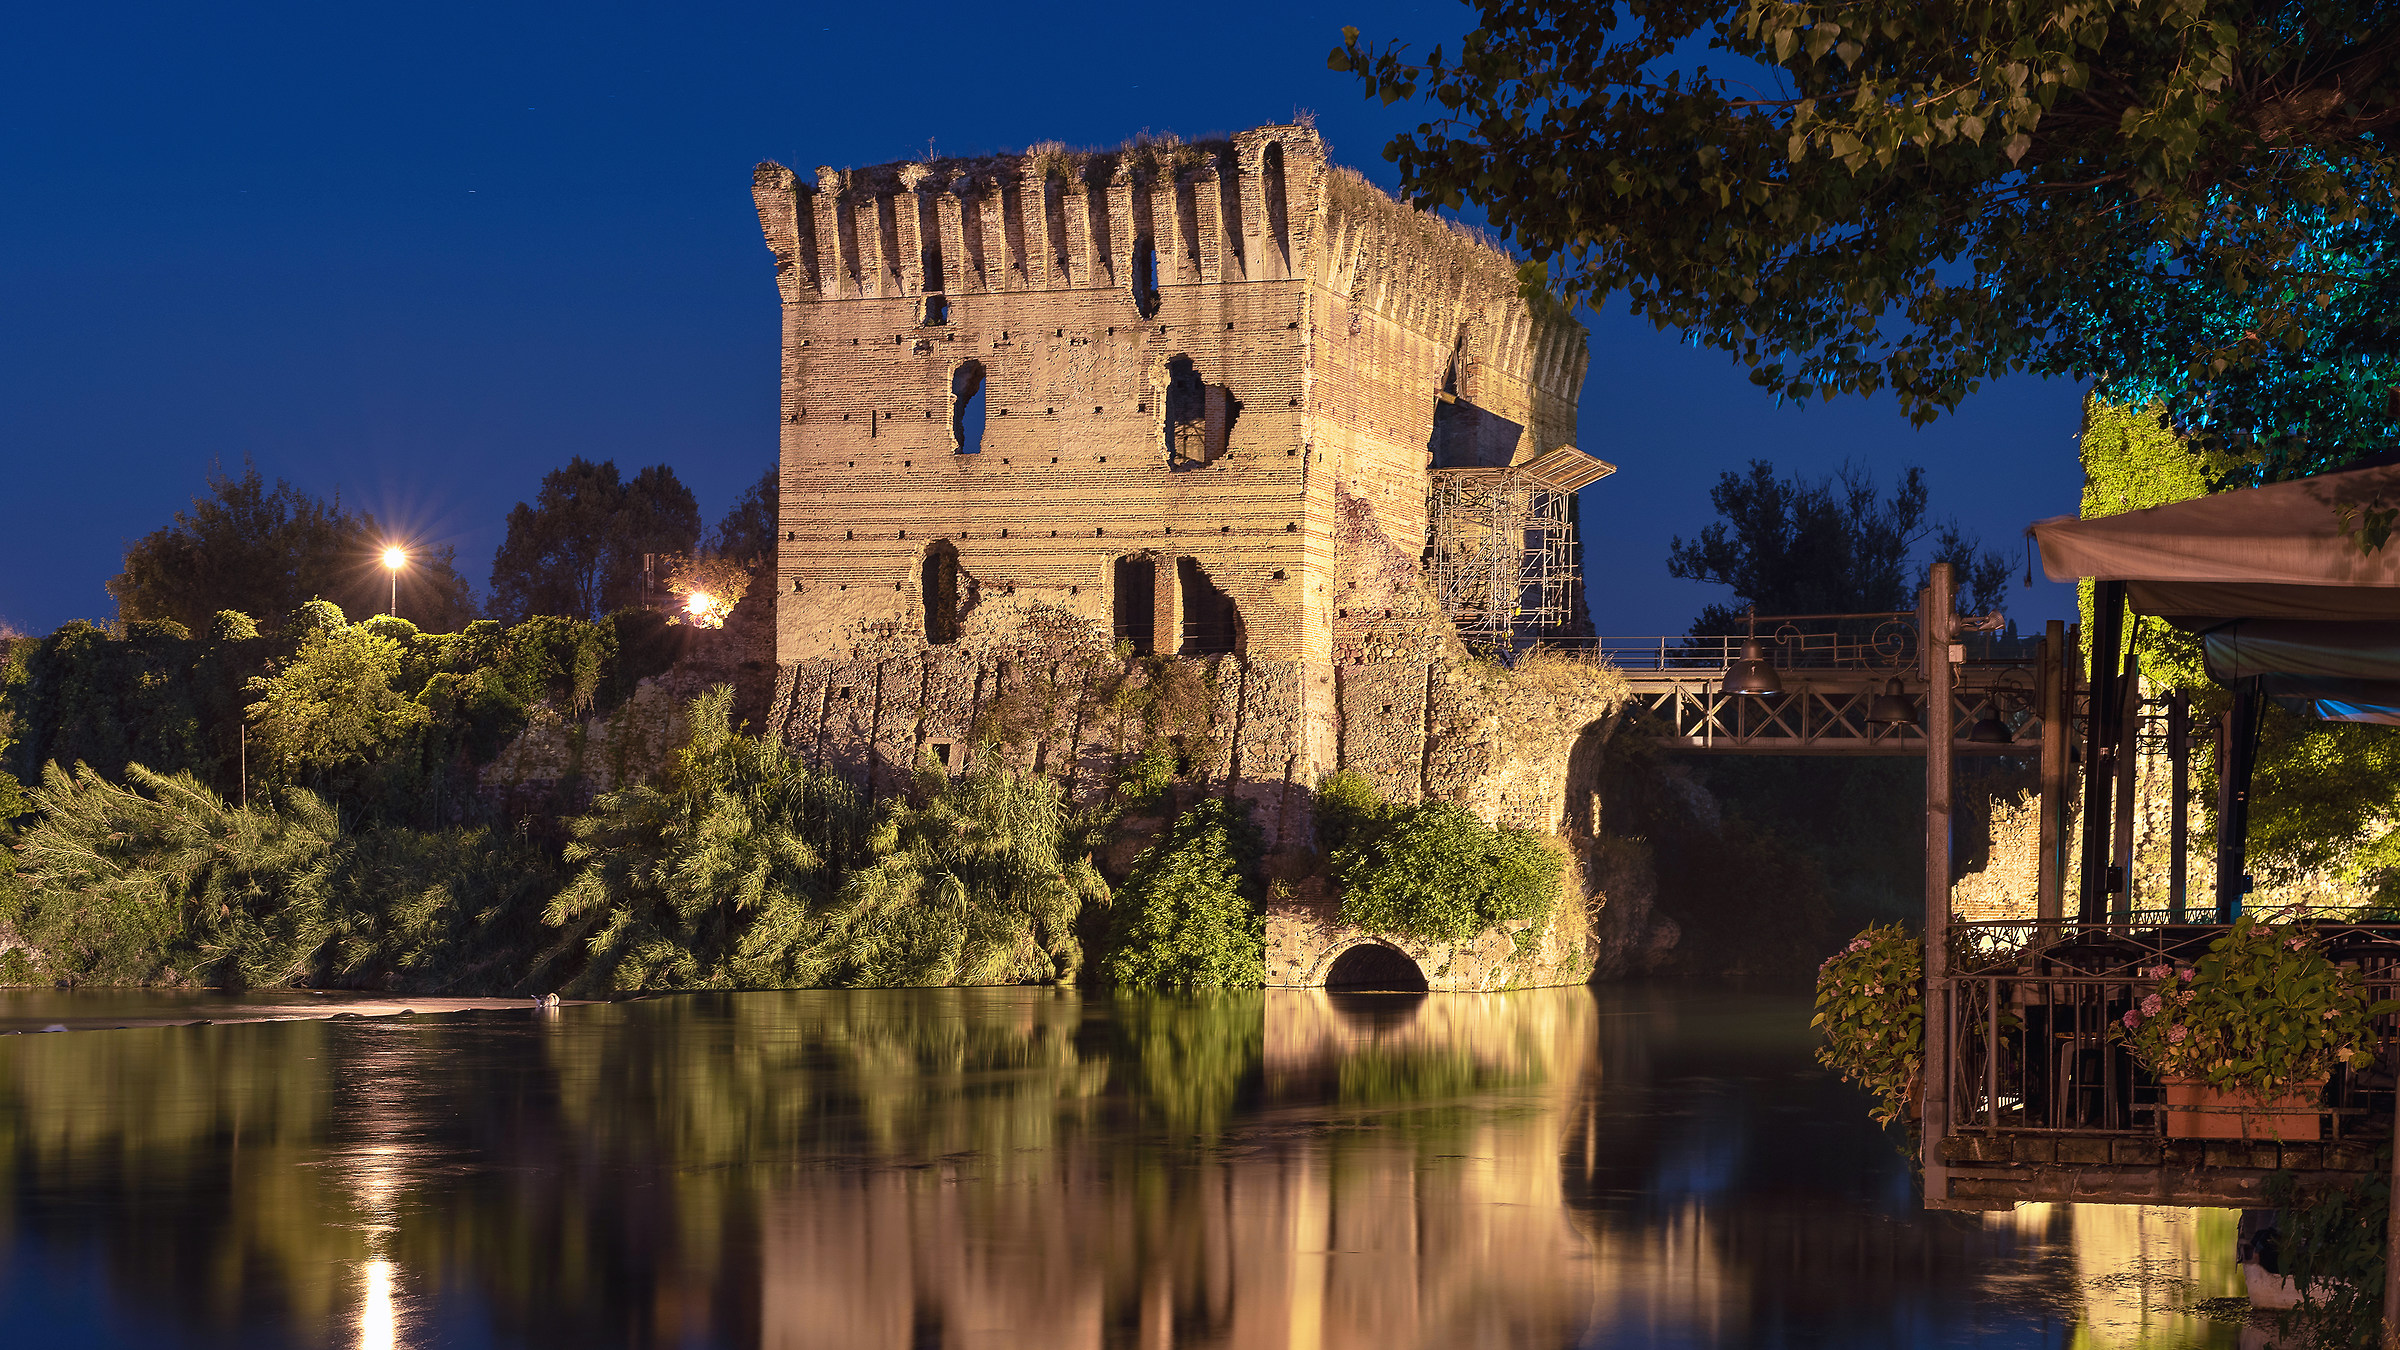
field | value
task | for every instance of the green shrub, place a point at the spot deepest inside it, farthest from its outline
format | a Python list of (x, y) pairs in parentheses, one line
[(1871, 1012), (1431, 871), (159, 881), (973, 882), (1188, 917), (334, 714), (711, 878), (2330, 1241)]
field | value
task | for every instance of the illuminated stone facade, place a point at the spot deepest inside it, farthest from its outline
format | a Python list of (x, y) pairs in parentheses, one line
[(1045, 413)]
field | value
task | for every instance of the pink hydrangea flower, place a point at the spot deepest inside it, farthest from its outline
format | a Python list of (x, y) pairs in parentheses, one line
[(2132, 1019), (2176, 1033), (2151, 1005), (2185, 974)]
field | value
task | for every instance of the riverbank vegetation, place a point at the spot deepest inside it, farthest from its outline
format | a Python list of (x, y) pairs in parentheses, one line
[(356, 837)]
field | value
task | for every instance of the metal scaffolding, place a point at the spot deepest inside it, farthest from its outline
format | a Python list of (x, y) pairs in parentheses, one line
[(1503, 554)]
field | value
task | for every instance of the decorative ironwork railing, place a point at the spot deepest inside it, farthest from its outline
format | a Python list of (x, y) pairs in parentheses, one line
[(2029, 1007)]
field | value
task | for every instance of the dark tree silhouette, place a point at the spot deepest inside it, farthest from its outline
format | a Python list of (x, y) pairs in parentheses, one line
[(577, 550), (1831, 546), (264, 550), (747, 533)]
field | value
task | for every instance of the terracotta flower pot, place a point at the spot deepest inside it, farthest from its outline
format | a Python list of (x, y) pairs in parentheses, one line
[(2197, 1111)]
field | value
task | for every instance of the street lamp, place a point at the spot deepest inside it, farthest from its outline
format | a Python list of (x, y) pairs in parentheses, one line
[(395, 558)]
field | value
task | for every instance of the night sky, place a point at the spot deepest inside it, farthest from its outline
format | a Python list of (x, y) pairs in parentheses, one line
[(421, 255)]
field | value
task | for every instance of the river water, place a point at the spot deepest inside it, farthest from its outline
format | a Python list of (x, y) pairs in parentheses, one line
[(917, 1169)]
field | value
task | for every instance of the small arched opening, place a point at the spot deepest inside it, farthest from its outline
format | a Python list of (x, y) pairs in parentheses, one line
[(966, 408), (1271, 174), (941, 587), (1133, 600), (1145, 277), (1199, 416), (1374, 967)]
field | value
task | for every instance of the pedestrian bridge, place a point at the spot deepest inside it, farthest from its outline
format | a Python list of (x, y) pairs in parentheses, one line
[(1832, 669)]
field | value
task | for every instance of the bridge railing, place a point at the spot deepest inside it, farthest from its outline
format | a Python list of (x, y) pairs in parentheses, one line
[(1791, 642)]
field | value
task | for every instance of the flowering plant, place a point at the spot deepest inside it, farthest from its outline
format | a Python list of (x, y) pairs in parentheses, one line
[(2262, 1013), (1871, 1009)]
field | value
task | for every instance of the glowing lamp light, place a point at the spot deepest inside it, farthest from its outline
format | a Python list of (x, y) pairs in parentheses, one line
[(394, 558), (702, 610)]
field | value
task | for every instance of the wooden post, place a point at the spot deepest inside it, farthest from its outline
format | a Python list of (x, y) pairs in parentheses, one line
[(2129, 758), (2100, 748), (2391, 1242), (2049, 888), (1937, 608), (2179, 802), (2237, 754)]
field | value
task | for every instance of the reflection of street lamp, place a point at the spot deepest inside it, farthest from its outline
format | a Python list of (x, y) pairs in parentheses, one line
[(395, 558)]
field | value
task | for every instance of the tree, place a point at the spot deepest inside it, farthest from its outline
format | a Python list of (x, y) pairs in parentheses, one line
[(264, 550), (2193, 200), (975, 881), (334, 713), (747, 533), (714, 876), (1189, 915), (1832, 546), (577, 550)]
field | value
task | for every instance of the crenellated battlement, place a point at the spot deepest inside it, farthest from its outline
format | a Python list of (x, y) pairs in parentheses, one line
[(1217, 211)]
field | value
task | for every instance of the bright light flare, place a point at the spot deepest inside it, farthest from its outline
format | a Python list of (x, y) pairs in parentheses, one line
[(395, 557), (703, 610)]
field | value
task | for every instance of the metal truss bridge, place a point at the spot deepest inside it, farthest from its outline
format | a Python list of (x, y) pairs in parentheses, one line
[(1831, 667)]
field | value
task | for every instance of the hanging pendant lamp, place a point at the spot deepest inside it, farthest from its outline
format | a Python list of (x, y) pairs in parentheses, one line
[(1753, 674), (1893, 707), (1990, 730)]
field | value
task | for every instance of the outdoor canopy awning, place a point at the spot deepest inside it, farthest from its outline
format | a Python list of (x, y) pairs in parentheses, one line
[(2271, 577)]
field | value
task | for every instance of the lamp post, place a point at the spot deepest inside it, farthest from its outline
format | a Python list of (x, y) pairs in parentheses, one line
[(395, 558)]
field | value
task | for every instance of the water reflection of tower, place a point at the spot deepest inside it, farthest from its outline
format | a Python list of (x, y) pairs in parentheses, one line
[(1391, 1183)]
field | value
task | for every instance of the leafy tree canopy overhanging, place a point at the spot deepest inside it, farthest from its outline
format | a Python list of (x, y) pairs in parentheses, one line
[(2192, 201)]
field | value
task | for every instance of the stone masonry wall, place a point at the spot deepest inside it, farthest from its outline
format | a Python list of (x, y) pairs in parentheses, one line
[(937, 591)]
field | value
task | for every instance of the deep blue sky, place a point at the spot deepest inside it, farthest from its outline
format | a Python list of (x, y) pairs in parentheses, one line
[(423, 254)]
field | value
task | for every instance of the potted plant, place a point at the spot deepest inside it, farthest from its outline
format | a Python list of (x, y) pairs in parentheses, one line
[(1871, 1009), (2245, 1038)]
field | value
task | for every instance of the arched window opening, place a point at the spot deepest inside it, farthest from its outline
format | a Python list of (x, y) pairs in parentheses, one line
[(1145, 277), (1199, 416), (1271, 171), (966, 408), (1134, 598), (1374, 966), (1187, 414), (1212, 625), (941, 593)]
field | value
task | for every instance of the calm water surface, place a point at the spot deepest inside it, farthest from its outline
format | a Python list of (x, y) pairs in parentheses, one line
[(999, 1168)]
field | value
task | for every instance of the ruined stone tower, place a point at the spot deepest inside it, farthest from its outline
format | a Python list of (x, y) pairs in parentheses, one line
[(1191, 399)]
